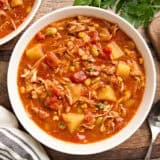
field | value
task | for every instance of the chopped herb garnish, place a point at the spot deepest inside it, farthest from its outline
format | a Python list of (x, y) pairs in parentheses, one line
[(100, 106), (137, 12), (61, 125), (91, 69)]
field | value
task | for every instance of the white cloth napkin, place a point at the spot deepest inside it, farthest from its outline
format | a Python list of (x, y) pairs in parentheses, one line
[(16, 144)]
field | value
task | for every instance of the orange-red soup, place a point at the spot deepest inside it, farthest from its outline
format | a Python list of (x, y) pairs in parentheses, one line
[(81, 79), (12, 14)]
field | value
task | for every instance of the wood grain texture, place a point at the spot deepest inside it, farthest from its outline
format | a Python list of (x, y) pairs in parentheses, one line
[(133, 149)]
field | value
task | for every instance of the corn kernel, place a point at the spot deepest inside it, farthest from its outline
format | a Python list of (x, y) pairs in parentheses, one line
[(94, 51), (95, 80), (50, 31), (55, 118), (85, 57), (72, 68), (81, 52), (69, 43), (81, 34), (84, 36), (87, 82), (60, 28), (29, 8), (96, 25), (84, 106), (103, 66), (141, 60), (22, 90)]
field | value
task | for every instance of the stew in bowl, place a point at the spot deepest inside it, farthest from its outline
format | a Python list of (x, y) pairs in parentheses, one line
[(13, 13), (82, 80)]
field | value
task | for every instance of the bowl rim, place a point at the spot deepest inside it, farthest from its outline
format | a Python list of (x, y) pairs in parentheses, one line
[(67, 147), (23, 25)]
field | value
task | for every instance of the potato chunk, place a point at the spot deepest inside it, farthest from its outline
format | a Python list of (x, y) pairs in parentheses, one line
[(35, 52), (123, 69), (116, 50), (136, 70), (74, 92), (15, 3), (106, 93), (73, 120)]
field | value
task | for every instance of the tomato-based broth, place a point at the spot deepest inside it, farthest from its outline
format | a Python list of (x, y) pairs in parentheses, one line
[(12, 14), (81, 79)]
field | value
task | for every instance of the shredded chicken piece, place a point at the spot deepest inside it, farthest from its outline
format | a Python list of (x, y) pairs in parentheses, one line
[(102, 128), (25, 73), (13, 23), (140, 82), (32, 73), (83, 19), (40, 112), (84, 99), (135, 68), (3, 14), (74, 27), (114, 29), (97, 85), (38, 62), (6, 5), (108, 108), (88, 126), (60, 50), (69, 95), (123, 111), (34, 76), (109, 69), (108, 126)]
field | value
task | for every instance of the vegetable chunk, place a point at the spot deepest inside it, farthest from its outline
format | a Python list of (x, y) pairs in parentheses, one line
[(106, 93), (73, 120), (51, 31), (116, 50), (74, 92), (123, 69), (15, 3), (35, 52)]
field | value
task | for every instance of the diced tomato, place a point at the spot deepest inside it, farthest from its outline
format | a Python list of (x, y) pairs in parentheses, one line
[(89, 118), (52, 103), (94, 37), (52, 60), (40, 36), (1, 4), (119, 122), (53, 100), (79, 42), (41, 113), (78, 77), (107, 51)]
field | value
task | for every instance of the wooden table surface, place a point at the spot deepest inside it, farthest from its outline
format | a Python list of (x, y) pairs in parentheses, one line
[(133, 149)]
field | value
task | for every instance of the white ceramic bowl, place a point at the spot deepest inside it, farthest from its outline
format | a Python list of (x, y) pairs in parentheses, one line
[(23, 25), (106, 144)]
